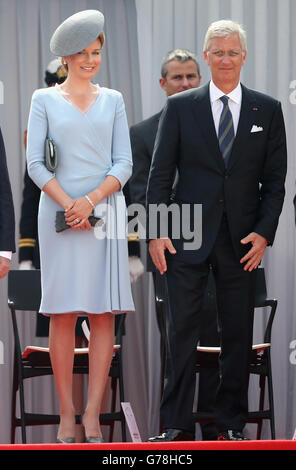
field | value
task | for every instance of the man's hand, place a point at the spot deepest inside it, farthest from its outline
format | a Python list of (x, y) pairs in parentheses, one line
[(255, 254), (157, 248), (4, 266)]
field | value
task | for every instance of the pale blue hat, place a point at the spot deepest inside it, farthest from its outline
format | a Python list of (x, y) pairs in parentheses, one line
[(77, 32)]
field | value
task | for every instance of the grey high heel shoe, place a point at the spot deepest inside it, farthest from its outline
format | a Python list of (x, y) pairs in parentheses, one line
[(66, 440), (94, 440)]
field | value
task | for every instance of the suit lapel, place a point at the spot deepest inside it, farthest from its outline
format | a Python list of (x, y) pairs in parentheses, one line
[(203, 113)]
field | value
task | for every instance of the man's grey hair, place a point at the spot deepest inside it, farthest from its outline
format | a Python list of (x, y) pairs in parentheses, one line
[(181, 55), (224, 28)]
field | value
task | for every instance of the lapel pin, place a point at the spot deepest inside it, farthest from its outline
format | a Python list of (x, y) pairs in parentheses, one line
[(255, 109)]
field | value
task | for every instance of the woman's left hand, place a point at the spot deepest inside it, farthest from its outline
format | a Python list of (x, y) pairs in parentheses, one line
[(77, 216)]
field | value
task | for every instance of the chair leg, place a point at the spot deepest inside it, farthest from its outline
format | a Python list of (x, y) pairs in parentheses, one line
[(121, 397), (270, 397), (262, 379), (123, 429), (22, 401), (22, 408), (13, 403), (18, 385), (113, 405)]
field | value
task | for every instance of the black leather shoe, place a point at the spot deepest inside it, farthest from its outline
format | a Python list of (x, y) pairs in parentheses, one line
[(209, 437), (208, 431), (172, 435), (231, 435)]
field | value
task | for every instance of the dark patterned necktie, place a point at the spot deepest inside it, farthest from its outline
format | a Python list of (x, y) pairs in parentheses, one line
[(226, 130)]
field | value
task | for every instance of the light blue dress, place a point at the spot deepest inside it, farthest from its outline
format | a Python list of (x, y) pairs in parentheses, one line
[(82, 271)]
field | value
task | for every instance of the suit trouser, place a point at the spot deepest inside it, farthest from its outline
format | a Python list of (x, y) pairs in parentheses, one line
[(208, 380), (209, 336), (161, 308), (235, 303)]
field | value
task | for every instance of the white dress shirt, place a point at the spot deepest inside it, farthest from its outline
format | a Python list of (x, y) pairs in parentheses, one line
[(235, 101)]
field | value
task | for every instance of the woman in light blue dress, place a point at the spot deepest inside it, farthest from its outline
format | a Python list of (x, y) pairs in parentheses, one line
[(84, 270)]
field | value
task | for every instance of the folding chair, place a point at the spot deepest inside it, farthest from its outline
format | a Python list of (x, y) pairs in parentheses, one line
[(208, 358), (24, 294)]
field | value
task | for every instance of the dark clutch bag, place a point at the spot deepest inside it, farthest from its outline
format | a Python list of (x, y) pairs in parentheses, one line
[(51, 155), (62, 225)]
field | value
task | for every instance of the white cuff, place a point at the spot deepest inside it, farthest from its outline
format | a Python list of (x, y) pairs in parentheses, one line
[(6, 254)]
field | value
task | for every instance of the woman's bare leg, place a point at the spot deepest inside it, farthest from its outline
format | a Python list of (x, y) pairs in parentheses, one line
[(78, 389), (61, 347), (100, 355)]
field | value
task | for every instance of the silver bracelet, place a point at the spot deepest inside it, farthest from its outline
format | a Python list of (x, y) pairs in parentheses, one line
[(90, 201)]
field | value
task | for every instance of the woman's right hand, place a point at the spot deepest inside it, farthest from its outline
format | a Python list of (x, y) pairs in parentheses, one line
[(69, 205), (53, 189), (83, 224)]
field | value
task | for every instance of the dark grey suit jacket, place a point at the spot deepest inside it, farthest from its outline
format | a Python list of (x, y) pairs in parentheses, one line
[(250, 190), (7, 220), (142, 142)]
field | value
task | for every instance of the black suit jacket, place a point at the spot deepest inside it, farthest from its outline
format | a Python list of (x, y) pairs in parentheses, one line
[(250, 190), (142, 137), (7, 221)]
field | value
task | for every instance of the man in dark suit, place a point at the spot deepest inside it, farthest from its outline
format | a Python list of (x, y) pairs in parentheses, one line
[(7, 223), (229, 145), (180, 71)]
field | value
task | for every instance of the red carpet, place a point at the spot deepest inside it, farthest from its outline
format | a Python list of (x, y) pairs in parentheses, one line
[(171, 446)]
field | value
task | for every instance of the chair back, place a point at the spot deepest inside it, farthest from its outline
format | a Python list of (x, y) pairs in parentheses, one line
[(24, 289), (260, 289), (261, 300)]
